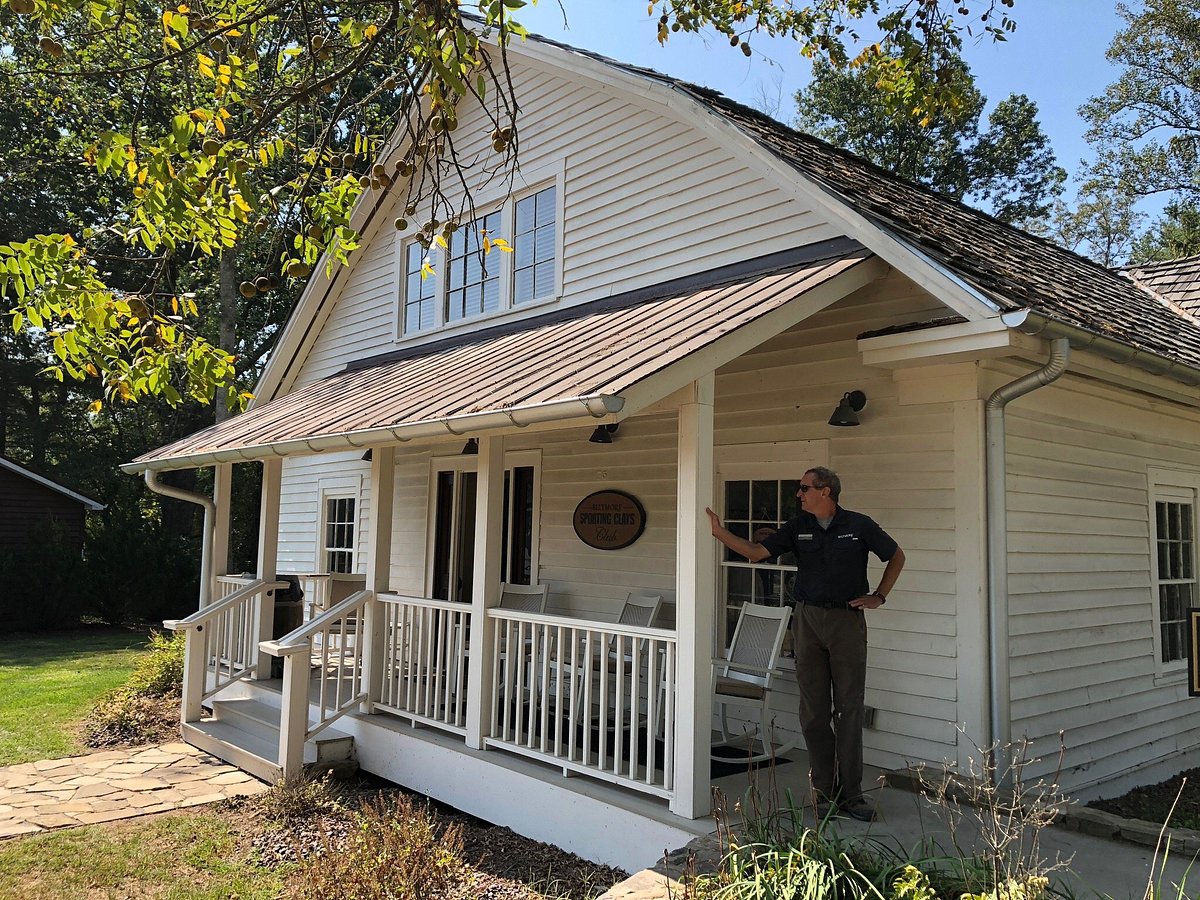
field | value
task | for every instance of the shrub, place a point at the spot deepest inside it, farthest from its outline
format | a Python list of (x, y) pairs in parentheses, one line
[(394, 852), (296, 799), (146, 708)]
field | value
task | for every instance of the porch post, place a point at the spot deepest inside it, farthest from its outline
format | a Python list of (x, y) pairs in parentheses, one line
[(268, 552), (379, 562), (695, 606), (222, 499), (489, 502)]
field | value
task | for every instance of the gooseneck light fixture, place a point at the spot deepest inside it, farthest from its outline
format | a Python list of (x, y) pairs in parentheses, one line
[(848, 409)]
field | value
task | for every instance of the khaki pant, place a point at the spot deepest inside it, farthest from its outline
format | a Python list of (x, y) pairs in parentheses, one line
[(831, 669)]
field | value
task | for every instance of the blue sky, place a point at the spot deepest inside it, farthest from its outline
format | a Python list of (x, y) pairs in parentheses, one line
[(1056, 57)]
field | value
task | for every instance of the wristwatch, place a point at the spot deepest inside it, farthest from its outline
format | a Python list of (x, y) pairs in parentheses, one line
[(880, 595)]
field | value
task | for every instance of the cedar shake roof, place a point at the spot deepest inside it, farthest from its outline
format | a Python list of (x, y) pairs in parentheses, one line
[(569, 364), (1177, 280), (1009, 266)]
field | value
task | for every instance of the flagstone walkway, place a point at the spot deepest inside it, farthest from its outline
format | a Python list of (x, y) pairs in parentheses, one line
[(114, 784)]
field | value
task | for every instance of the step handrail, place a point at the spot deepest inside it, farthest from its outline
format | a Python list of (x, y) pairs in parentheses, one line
[(203, 616), (297, 641)]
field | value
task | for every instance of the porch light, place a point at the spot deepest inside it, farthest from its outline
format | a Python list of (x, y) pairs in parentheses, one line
[(471, 447), (847, 410), (603, 433)]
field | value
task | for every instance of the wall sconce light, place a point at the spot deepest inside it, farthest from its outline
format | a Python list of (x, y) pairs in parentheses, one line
[(470, 448), (603, 433), (848, 409), (367, 457)]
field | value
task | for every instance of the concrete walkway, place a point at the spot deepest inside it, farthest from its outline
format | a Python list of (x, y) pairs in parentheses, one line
[(114, 784)]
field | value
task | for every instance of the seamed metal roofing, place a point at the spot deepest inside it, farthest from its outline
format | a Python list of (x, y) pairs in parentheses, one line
[(568, 364)]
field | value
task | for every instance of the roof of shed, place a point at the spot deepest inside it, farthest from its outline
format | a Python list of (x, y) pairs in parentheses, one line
[(590, 352), (18, 469)]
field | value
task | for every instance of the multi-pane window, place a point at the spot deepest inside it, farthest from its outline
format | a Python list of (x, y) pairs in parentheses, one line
[(472, 276), (1175, 543), (340, 527), (469, 282), (752, 505), (420, 292), (535, 243)]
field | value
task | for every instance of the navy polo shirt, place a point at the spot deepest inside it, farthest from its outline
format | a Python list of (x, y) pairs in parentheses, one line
[(831, 564)]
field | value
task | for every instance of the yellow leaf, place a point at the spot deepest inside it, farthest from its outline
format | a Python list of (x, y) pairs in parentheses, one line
[(440, 241), (220, 123), (426, 268), (370, 31), (167, 16), (96, 405)]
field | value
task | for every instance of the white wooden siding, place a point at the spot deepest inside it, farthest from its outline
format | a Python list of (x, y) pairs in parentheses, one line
[(647, 199), (304, 477), (1081, 581)]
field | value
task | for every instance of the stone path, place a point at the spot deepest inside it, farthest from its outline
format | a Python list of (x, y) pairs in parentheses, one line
[(114, 784)]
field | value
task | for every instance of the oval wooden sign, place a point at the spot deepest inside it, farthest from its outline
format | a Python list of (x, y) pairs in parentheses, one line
[(609, 520)]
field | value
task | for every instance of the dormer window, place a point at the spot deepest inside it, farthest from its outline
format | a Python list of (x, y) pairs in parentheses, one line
[(467, 282)]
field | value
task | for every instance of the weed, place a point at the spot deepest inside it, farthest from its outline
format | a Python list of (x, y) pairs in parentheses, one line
[(296, 799), (394, 852), (146, 707)]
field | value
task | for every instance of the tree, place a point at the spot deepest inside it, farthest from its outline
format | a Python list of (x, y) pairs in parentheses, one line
[(1145, 127), (1008, 169), (264, 117)]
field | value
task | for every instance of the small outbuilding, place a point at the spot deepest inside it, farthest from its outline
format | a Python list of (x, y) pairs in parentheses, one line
[(27, 499)]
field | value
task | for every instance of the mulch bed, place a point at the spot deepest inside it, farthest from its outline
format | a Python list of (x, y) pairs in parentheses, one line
[(1153, 802), (506, 865)]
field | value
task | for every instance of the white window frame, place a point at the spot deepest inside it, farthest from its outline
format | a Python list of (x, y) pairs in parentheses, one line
[(348, 488), (780, 461), (1168, 486), (459, 463), (533, 181)]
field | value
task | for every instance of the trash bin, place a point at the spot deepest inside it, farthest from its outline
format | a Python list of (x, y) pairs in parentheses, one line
[(289, 615)]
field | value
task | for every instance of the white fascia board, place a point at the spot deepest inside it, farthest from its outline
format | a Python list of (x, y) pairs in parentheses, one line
[(961, 341), (52, 485), (959, 296)]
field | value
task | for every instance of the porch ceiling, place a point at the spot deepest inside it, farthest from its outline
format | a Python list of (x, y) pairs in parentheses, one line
[(567, 365)]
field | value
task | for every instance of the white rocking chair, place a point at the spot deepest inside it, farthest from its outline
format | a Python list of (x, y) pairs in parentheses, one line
[(744, 678)]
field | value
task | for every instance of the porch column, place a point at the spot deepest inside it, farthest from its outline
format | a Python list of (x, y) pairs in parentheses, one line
[(489, 502), (379, 563), (695, 605), (268, 552), (222, 498)]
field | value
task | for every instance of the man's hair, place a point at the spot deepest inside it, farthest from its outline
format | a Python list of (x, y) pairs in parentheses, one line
[(824, 477)]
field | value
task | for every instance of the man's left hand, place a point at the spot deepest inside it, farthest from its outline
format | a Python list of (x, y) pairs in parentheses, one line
[(869, 601)]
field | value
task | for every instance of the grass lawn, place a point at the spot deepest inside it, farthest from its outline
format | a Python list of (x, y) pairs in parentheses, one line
[(177, 856), (48, 682)]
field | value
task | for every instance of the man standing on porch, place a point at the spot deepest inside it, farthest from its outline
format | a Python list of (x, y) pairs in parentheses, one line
[(829, 627)]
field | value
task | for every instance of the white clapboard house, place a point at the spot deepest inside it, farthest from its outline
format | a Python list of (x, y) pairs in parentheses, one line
[(706, 285)]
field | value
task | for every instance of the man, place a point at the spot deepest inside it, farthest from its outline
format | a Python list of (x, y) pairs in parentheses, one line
[(829, 627)]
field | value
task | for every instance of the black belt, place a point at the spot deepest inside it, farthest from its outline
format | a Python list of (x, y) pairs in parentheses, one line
[(825, 604)]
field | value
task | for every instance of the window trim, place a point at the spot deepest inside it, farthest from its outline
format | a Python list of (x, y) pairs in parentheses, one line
[(780, 461), (532, 182), (1166, 485), (459, 463), (345, 488)]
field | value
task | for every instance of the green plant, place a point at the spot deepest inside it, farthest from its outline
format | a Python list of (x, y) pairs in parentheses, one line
[(394, 852), (145, 708), (294, 799)]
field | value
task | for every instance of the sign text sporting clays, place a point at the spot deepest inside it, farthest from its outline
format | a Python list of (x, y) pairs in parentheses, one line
[(609, 520)]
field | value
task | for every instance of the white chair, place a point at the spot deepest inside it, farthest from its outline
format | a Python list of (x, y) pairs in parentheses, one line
[(524, 597), (743, 678), (640, 609)]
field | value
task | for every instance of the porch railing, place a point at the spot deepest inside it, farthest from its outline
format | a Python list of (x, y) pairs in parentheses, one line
[(591, 698), (333, 645), (425, 661), (228, 584), (222, 642), (323, 591)]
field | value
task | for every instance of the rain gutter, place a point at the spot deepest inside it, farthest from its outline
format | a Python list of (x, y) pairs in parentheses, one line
[(206, 544), (596, 406)]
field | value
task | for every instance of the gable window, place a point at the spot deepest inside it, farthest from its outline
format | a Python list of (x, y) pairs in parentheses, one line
[(469, 283), (340, 527)]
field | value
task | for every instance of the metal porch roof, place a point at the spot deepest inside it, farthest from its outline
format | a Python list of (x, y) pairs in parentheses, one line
[(567, 365)]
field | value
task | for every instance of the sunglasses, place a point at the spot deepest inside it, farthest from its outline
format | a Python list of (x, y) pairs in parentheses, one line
[(805, 488)]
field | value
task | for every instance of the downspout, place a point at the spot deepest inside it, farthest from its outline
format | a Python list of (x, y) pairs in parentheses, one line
[(997, 516), (210, 512)]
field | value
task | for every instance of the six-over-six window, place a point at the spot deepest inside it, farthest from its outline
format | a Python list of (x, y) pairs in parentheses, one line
[(464, 281)]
